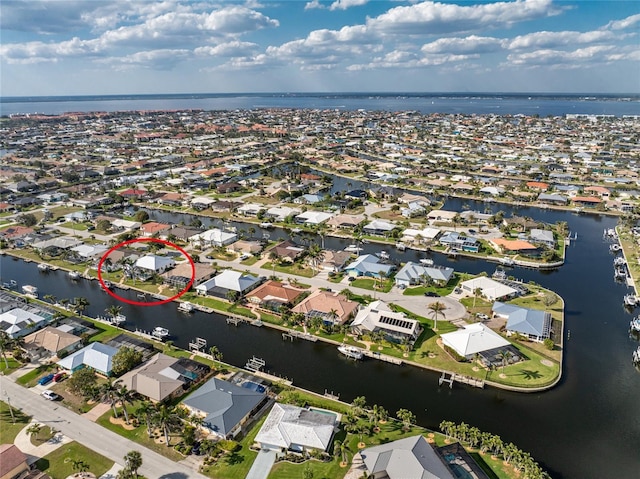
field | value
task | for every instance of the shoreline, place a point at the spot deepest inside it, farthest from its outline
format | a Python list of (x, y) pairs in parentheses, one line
[(296, 334)]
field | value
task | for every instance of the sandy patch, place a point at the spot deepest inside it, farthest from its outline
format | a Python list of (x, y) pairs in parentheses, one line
[(546, 362), (503, 376), (120, 421)]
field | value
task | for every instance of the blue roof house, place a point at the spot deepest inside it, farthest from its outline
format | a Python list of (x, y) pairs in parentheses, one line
[(368, 265), (532, 323), (97, 356)]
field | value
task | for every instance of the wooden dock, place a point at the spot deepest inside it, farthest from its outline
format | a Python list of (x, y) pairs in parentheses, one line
[(382, 357), (197, 345), (234, 321), (291, 335), (255, 364), (476, 383)]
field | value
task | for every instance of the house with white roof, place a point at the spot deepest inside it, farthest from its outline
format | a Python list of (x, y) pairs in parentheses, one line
[(543, 237), (213, 237), (418, 236), (298, 429), (280, 213), (250, 209), (378, 316), (154, 263), (413, 273), (489, 288), (89, 251), (411, 457), (532, 323), (313, 217), (229, 280), (97, 356), (473, 339), (368, 265), (18, 322), (378, 227)]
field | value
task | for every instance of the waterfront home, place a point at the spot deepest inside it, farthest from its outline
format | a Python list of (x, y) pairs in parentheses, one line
[(459, 241), (413, 273), (280, 213), (287, 251), (18, 322), (587, 201), (378, 317), (308, 199), (173, 199), (293, 428), (13, 233), (413, 209), (553, 199), (441, 216), (344, 221), (334, 261), (245, 246), (164, 377), (273, 294), (96, 355), (331, 307), (313, 217), (519, 223), (50, 340), (427, 235), (211, 238), (227, 281), (600, 191), (87, 252), (411, 457), (200, 203), (226, 206), (370, 266), (473, 339), (133, 194), (489, 288), (154, 263), (356, 195), (224, 407), (543, 237), (378, 227), (181, 275), (152, 229), (531, 323), (180, 233), (503, 246), (117, 257), (124, 225), (250, 209)]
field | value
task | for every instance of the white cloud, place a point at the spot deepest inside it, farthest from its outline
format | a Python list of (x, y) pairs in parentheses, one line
[(556, 39), (624, 23), (404, 59), (563, 59), (39, 52), (470, 44), (228, 49), (314, 4), (435, 18), (164, 59), (344, 4)]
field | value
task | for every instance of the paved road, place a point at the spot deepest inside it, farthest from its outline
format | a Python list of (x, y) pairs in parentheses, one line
[(92, 435)]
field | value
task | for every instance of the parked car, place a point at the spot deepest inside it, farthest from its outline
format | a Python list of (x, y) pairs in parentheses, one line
[(457, 291), (431, 294), (45, 379), (59, 377), (472, 232), (50, 395), (482, 316)]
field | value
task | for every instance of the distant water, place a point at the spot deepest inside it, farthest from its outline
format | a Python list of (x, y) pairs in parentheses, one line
[(501, 104)]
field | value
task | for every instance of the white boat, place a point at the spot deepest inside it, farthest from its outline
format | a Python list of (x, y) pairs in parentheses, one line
[(74, 275), (636, 356), (634, 325), (118, 319), (401, 246), (265, 225), (630, 300), (296, 230), (185, 307), (108, 284), (352, 248), (614, 248), (43, 267), (426, 261), (160, 333), (383, 255), (620, 273), (507, 261), (619, 261), (351, 351), (29, 290)]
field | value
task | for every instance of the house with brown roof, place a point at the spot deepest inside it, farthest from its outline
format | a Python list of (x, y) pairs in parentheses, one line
[(244, 246), (52, 340), (287, 251), (589, 201), (273, 294), (13, 461), (345, 221), (601, 191), (172, 199), (332, 307), (335, 260), (537, 185), (13, 233), (502, 245), (152, 228), (180, 276), (228, 187)]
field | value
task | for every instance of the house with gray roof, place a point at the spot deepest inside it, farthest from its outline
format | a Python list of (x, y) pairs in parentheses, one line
[(411, 457), (552, 198), (290, 427), (229, 280), (378, 227), (532, 323), (378, 317), (224, 406), (413, 273), (368, 265), (97, 356), (543, 237)]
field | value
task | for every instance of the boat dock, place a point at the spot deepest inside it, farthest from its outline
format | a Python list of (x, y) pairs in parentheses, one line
[(476, 383), (291, 335), (255, 364), (382, 357), (197, 345)]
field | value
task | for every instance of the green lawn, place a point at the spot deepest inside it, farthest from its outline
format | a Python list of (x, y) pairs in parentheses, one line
[(13, 365), (30, 379), (372, 284), (43, 436), (218, 305), (9, 430), (321, 470), (295, 269), (249, 261), (58, 465), (439, 290)]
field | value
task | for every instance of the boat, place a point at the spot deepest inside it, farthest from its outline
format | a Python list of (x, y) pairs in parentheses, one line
[(426, 262), (610, 233), (614, 248), (499, 274), (296, 230), (185, 307), (636, 356), (630, 300), (507, 261), (351, 351), (107, 284), (74, 275), (634, 325), (383, 255), (266, 225), (401, 246), (620, 273), (352, 248), (119, 319), (619, 261), (160, 333), (30, 291), (43, 267)]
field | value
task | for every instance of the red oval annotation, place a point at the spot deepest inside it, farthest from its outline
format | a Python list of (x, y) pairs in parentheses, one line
[(148, 240)]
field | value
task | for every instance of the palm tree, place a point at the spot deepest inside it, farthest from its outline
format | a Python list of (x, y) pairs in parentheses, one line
[(436, 309), (124, 396), (77, 464), (476, 292), (5, 343), (81, 305), (341, 449), (504, 358), (146, 410), (113, 310), (34, 429), (215, 353), (316, 255), (166, 419), (49, 297), (407, 418), (358, 405), (108, 393), (133, 462)]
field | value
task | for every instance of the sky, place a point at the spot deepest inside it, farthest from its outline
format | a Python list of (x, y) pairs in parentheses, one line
[(101, 47)]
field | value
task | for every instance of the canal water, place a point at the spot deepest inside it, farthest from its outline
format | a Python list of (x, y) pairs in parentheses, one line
[(586, 427)]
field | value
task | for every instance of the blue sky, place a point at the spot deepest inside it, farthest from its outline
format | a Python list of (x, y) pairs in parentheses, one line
[(78, 47)]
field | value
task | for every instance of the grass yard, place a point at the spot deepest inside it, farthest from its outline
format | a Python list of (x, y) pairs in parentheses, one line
[(372, 284), (295, 269), (31, 378), (251, 260), (439, 290), (43, 436), (9, 430), (59, 466), (321, 470), (13, 365), (218, 305)]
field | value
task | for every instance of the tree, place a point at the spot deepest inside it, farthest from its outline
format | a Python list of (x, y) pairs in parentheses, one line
[(5, 344), (125, 360), (141, 216), (81, 305), (233, 296), (315, 255), (27, 219), (146, 410), (124, 396), (34, 429), (215, 353), (77, 464), (133, 462), (49, 297), (307, 473), (103, 225), (341, 450), (166, 419), (108, 393), (359, 404), (113, 310), (436, 309), (82, 382), (476, 293), (407, 418)]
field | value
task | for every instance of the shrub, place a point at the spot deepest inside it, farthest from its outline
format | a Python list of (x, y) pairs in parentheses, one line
[(548, 343)]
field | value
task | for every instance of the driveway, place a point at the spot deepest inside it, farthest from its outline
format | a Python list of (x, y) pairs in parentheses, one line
[(262, 465)]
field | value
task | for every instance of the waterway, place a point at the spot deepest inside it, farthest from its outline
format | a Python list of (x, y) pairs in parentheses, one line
[(586, 427)]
